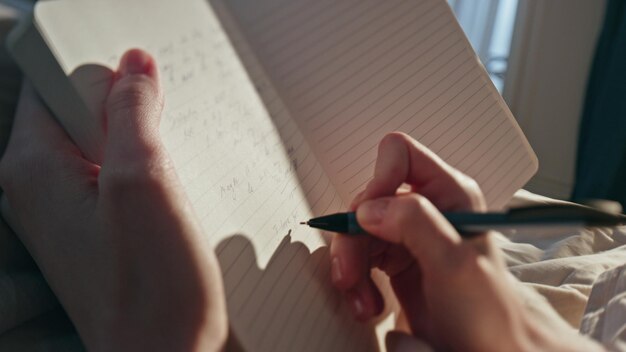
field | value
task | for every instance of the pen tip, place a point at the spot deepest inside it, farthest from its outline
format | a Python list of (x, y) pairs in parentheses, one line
[(303, 222)]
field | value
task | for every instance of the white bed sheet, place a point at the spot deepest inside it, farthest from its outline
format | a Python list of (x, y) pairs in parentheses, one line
[(580, 273)]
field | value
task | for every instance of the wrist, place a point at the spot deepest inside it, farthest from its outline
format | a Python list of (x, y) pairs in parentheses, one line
[(169, 330), (151, 314)]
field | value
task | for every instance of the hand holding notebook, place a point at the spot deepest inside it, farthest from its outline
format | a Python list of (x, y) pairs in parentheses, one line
[(116, 242)]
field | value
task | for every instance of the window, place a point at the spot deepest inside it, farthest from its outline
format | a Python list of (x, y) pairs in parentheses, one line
[(489, 26)]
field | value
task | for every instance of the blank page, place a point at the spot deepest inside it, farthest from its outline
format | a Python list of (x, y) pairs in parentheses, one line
[(249, 187), (351, 71)]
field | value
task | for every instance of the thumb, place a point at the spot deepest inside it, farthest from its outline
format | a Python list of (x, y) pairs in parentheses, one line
[(133, 111)]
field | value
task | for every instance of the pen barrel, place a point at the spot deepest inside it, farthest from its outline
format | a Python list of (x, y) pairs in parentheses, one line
[(354, 228), (345, 223), (470, 224)]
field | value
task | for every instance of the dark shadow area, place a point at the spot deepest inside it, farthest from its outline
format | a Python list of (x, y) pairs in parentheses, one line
[(52, 331), (9, 84), (32, 319), (291, 298), (290, 305), (601, 155)]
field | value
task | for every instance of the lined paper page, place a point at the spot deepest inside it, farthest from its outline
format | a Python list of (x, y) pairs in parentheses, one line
[(351, 71), (245, 165)]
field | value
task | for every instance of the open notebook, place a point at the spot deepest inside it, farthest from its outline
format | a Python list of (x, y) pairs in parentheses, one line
[(273, 113)]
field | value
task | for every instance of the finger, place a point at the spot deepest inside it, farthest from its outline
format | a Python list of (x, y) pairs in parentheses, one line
[(357, 200), (351, 259), (391, 258), (351, 266), (365, 299), (348, 261), (350, 272), (412, 221), (136, 169), (401, 159), (40, 157), (133, 112)]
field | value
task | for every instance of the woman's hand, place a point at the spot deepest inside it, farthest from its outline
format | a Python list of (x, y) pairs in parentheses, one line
[(454, 293), (117, 242)]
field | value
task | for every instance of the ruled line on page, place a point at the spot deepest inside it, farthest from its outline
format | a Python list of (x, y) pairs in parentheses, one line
[(517, 182), (369, 106), (439, 104), (360, 171), (412, 93), (316, 27), (365, 53), (284, 322), (461, 142), (352, 67), (292, 74), (337, 88), (373, 143), (264, 23), (424, 105), (354, 101), (314, 79)]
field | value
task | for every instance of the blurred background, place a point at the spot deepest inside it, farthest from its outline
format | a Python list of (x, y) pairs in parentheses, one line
[(559, 65)]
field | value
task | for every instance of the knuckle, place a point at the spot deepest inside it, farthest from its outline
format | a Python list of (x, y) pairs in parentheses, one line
[(392, 138), (465, 265), (134, 92), (408, 209), (123, 182), (472, 192), (471, 186), (375, 185)]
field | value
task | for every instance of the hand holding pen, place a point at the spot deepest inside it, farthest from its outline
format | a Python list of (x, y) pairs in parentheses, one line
[(470, 224), (454, 294)]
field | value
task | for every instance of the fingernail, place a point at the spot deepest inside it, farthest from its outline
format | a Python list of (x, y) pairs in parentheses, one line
[(372, 212), (135, 62), (336, 270)]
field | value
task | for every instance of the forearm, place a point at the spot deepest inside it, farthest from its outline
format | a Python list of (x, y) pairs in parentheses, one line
[(149, 332), (181, 306)]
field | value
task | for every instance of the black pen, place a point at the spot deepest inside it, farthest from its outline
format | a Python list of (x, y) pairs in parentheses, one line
[(469, 224)]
